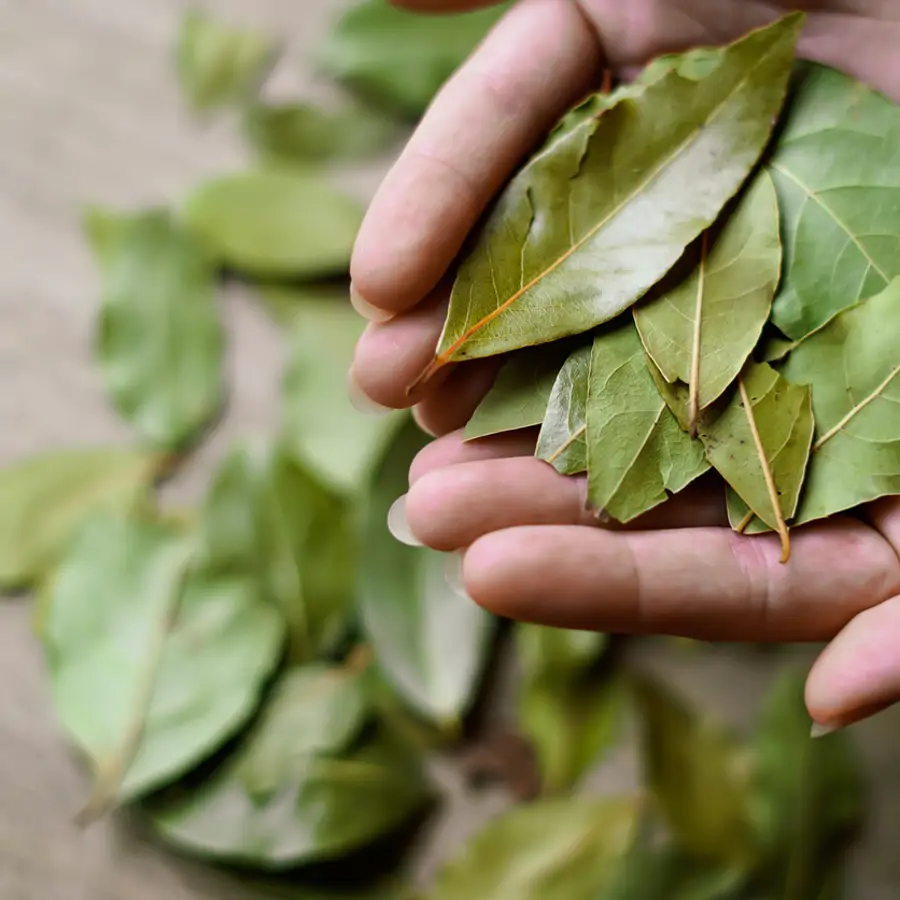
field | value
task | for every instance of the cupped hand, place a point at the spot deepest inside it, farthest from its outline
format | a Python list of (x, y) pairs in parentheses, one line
[(533, 552)]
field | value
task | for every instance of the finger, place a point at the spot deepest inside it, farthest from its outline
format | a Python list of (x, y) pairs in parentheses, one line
[(451, 508), (450, 405), (453, 449), (538, 60), (858, 674), (707, 583)]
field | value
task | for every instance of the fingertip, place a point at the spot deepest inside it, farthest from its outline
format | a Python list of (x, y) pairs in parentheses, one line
[(367, 310)]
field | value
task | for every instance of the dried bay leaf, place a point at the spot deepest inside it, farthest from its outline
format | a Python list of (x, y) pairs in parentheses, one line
[(563, 438), (399, 58), (701, 331), (159, 340), (274, 223), (637, 454), (320, 427), (322, 807), (431, 642), (851, 365), (44, 500), (520, 393), (553, 848), (606, 208), (760, 444), (219, 65), (836, 168), (153, 663)]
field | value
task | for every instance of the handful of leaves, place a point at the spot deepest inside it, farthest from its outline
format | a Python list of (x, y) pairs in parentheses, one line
[(696, 272)]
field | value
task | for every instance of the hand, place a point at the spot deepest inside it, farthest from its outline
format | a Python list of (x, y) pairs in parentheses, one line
[(533, 552)]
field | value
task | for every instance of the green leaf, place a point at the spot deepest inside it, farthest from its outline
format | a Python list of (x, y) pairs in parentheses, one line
[(807, 794), (851, 365), (520, 393), (569, 714), (159, 340), (431, 642), (153, 663), (44, 499), (702, 330), (398, 58), (274, 223), (760, 444), (699, 779), (636, 452), (304, 134), (285, 305), (218, 65), (835, 164), (321, 429), (570, 848), (321, 808), (605, 209), (563, 438), (267, 519)]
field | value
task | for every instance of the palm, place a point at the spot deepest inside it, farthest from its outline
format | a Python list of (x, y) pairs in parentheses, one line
[(533, 551)]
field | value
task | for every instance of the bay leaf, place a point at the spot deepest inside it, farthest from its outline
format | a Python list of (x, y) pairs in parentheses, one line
[(834, 164), (569, 713), (274, 223), (807, 797), (600, 214), (699, 778), (569, 848), (520, 393), (45, 498), (701, 331), (760, 444), (563, 438), (851, 365), (323, 807), (320, 427), (431, 642), (398, 58), (159, 340), (219, 65), (153, 663), (266, 518), (304, 134), (637, 454)]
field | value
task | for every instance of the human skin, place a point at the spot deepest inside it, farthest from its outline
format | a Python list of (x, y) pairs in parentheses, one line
[(530, 550)]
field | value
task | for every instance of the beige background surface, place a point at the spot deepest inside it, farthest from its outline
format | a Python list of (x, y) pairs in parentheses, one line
[(89, 113)]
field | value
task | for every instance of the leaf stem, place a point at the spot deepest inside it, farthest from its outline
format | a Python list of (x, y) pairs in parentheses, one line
[(767, 474), (694, 401), (744, 524)]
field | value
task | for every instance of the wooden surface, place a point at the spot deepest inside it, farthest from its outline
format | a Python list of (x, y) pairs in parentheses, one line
[(89, 114)]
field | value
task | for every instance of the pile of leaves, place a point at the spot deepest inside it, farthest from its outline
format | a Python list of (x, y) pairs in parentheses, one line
[(743, 282), (269, 680)]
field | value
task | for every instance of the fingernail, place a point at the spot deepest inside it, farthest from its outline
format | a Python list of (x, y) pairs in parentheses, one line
[(366, 310), (819, 730), (453, 574), (398, 524), (361, 401)]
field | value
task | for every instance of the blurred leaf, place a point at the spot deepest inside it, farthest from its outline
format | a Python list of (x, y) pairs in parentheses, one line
[(159, 340), (520, 393), (218, 65), (570, 849), (321, 808), (44, 499), (301, 133), (807, 797), (321, 428), (274, 223), (562, 441), (431, 642), (287, 304), (265, 517), (153, 663), (399, 58), (699, 778), (557, 652)]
